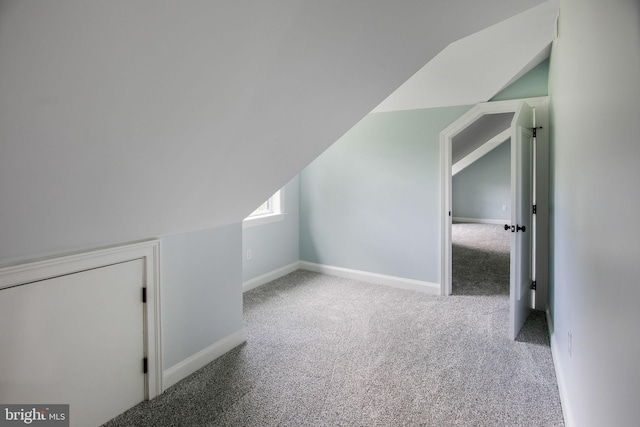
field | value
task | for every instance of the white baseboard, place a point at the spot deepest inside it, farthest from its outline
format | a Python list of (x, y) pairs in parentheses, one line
[(482, 220), (268, 277), (202, 358), (560, 378), (378, 279)]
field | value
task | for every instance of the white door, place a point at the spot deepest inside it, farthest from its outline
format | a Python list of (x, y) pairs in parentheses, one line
[(520, 293), (77, 340)]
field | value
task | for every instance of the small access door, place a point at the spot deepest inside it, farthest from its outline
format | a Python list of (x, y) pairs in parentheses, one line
[(76, 339), (522, 184)]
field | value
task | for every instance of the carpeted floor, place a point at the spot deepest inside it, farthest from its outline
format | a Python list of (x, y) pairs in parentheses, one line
[(480, 260), (328, 351)]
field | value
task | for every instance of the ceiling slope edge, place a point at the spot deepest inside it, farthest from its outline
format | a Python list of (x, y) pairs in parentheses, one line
[(477, 67)]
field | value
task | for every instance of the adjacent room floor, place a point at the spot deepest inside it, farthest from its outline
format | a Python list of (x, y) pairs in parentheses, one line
[(480, 260), (328, 351)]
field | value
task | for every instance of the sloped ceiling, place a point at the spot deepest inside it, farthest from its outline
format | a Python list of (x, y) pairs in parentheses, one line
[(124, 120), (479, 66), (478, 133)]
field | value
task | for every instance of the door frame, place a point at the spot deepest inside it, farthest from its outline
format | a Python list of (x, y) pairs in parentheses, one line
[(542, 189), (148, 252)]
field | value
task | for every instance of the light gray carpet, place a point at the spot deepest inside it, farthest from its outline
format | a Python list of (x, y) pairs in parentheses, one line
[(480, 260), (327, 351)]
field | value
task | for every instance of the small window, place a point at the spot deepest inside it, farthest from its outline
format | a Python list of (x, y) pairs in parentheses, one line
[(271, 210)]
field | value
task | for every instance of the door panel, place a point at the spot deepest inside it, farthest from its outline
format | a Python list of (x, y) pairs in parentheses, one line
[(521, 212), (77, 340)]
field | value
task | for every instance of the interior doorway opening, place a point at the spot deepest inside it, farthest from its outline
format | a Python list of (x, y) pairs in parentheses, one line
[(476, 131), (481, 205)]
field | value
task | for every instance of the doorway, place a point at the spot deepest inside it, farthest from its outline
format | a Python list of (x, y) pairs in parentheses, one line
[(484, 125), (481, 247)]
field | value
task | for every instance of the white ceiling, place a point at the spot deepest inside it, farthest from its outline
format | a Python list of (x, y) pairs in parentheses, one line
[(479, 66), (125, 120)]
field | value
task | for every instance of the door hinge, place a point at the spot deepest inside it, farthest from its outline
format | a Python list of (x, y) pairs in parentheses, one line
[(144, 295), (533, 285), (535, 131), (145, 365), (535, 208)]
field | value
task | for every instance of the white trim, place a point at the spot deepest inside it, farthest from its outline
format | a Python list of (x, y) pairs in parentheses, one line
[(254, 221), (482, 220), (33, 271), (275, 215), (479, 152), (270, 276), (446, 207), (560, 376), (148, 251), (153, 320), (183, 369), (378, 279)]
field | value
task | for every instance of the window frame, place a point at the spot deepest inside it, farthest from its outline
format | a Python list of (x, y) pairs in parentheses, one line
[(276, 211)]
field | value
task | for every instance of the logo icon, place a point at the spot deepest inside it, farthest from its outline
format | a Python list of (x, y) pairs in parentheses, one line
[(36, 415)]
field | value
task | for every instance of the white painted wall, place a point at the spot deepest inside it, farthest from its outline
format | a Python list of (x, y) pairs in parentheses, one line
[(124, 120), (595, 99)]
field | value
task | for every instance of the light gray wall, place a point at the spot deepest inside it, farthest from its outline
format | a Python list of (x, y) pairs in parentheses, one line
[(595, 99), (273, 245), (201, 280), (480, 190), (371, 202)]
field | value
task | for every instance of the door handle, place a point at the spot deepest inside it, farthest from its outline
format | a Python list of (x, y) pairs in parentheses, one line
[(515, 228)]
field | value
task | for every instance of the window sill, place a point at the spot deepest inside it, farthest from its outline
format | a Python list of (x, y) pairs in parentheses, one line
[(262, 220)]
